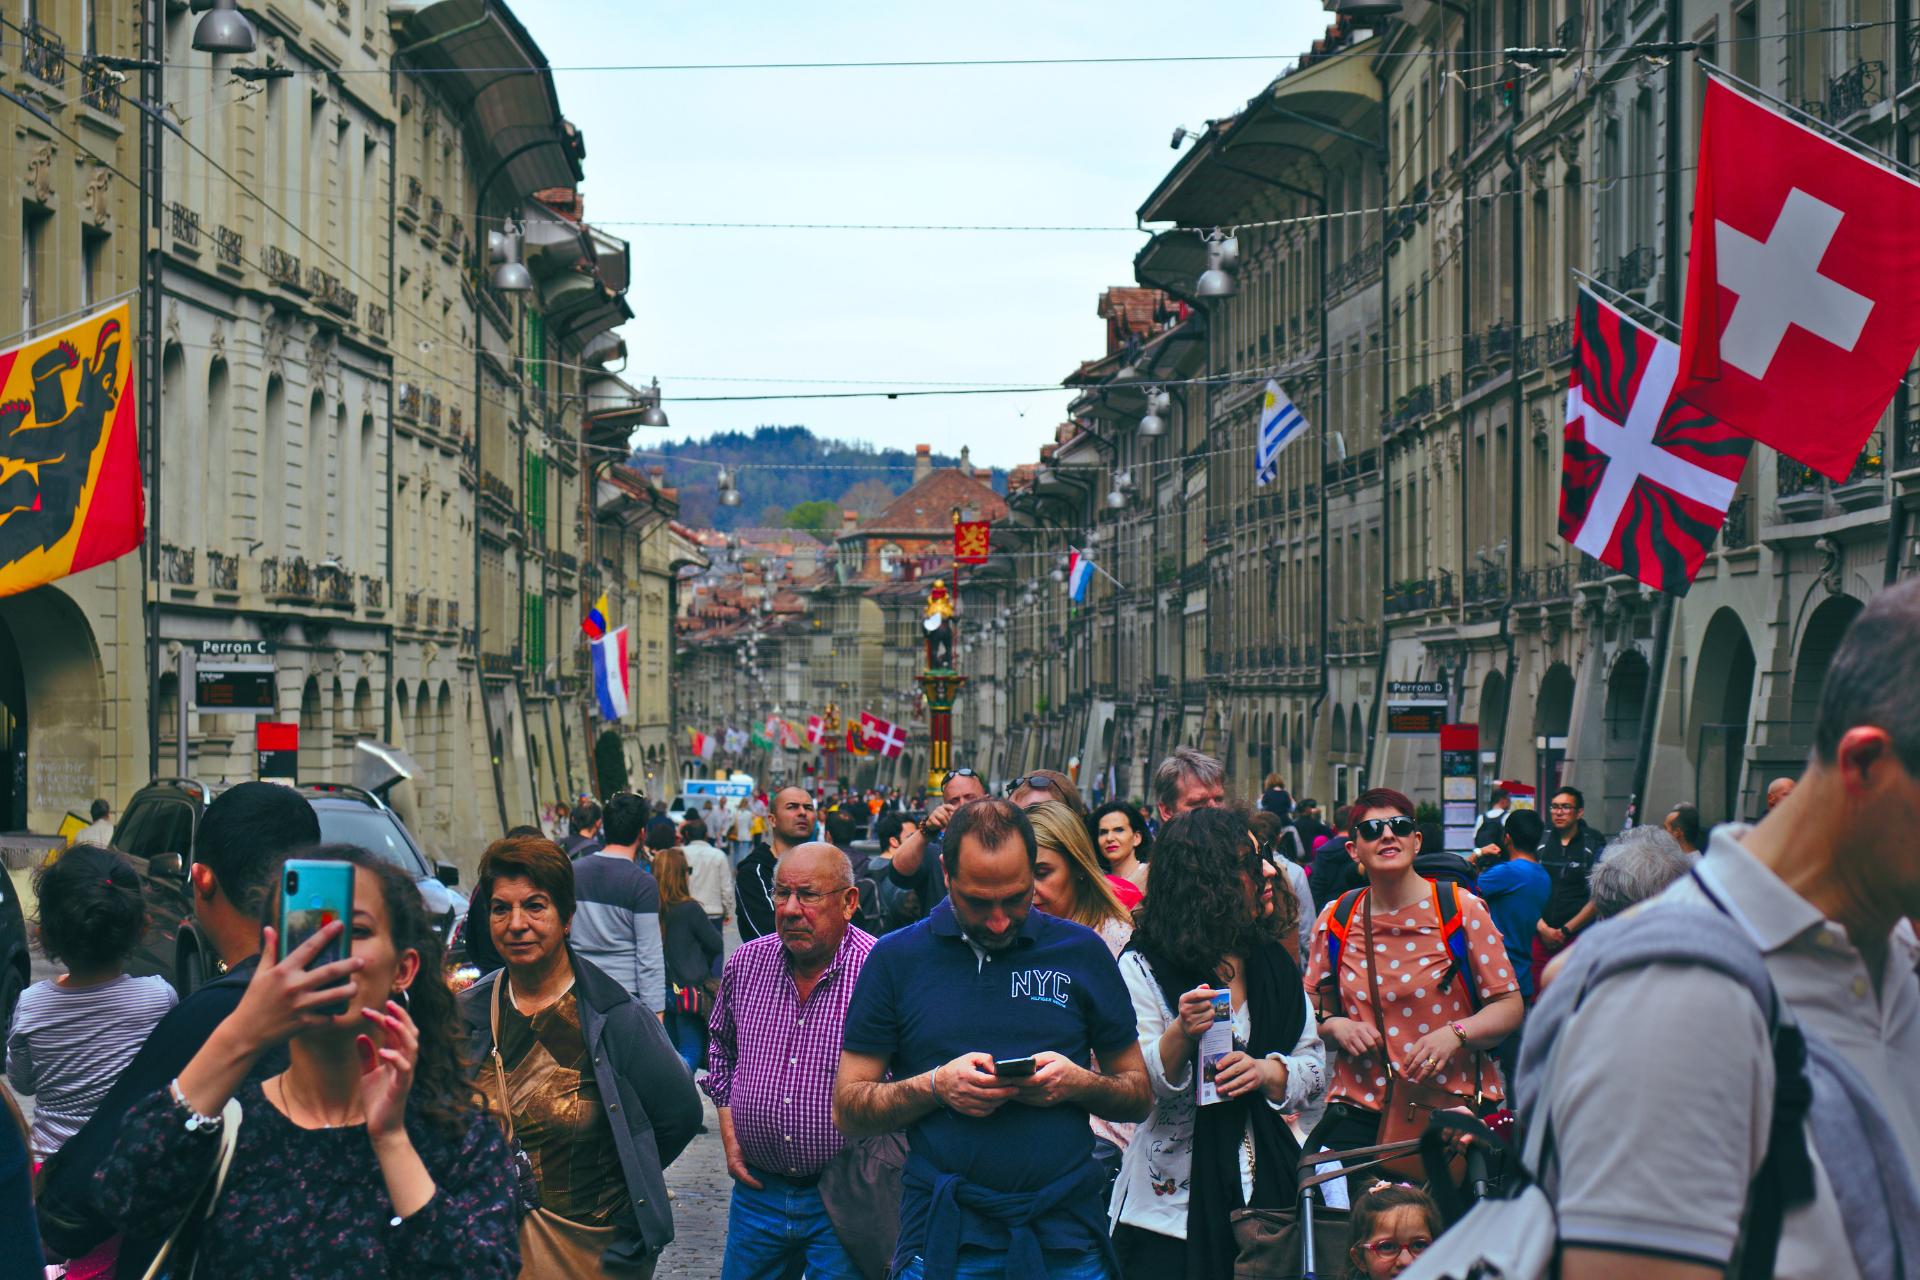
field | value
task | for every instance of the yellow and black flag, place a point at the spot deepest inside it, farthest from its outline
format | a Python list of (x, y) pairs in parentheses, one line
[(70, 493)]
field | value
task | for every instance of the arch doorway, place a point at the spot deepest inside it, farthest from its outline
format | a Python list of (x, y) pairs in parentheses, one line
[(1493, 717), (1626, 701), (1818, 641), (1722, 702), (52, 723), (1552, 713)]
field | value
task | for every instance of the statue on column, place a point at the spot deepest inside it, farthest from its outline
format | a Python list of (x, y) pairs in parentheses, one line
[(939, 627)]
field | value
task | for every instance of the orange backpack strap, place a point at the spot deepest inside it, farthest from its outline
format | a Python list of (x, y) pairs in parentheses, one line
[(1338, 925)]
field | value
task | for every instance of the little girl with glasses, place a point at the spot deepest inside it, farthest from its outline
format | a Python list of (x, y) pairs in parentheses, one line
[(1392, 1224)]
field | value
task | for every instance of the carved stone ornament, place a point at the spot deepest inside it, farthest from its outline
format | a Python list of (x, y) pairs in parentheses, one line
[(1833, 574), (39, 174), (217, 340), (1569, 144), (172, 326), (96, 203), (274, 347)]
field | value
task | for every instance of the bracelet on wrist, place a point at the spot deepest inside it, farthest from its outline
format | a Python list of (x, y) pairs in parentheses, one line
[(195, 1123), (933, 1082), (1459, 1030)]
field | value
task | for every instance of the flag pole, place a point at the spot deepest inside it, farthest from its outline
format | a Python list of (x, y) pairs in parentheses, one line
[(1614, 295), (1810, 120), (1082, 552)]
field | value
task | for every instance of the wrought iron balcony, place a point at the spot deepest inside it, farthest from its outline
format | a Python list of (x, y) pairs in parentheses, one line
[(282, 267), (433, 409), (43, 54), (1737, 531), (410, 202), (288, 579), (1362, 266), (373, 592), (1634, 271), (186, 224), (1415, 404), (453, 615), (1855, 89), (333, 585), (176, 564), (1544, 584), (229, 246), (100, 86), (223, 571), (433, 613), (1487, 583), (410, 609), (1567, 34), (1592, 570)]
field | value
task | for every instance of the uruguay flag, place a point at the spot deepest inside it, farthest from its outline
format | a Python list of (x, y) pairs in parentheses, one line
[(610, 674), (1079, 576), (1281, 423), (595, 623)]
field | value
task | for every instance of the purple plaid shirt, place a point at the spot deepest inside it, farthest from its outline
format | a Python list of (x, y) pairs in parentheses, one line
[(773, 1059)]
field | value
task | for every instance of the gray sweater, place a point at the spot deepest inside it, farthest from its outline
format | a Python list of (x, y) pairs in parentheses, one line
[(616, 924)]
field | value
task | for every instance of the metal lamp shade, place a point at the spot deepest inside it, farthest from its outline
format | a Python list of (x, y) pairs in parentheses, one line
[(1215, 283), (1116, 499), (653, 416), (224, 29), (1151, 425), (512, 277)]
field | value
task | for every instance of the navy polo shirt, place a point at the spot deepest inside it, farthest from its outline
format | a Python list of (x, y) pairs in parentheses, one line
[(925, 997)]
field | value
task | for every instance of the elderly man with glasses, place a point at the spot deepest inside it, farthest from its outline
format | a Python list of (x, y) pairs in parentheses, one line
[(776, 1032)]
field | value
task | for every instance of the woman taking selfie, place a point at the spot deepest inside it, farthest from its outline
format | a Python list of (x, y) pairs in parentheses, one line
[(367, 1155), (1204, 932), (1120, 835), (1067, 880), (577, 1073), (1401, 940)]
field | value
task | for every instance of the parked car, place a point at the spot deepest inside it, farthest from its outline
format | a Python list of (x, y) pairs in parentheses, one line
[(16, 965), (157, 832)]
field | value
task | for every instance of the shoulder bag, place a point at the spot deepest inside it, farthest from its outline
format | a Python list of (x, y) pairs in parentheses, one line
[(230, 1116), (1408, 1105)]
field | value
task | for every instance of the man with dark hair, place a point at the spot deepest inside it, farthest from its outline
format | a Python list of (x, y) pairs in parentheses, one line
[(98, 831), (584, 823), (1515, 887), (1306, 822), (915, 880), (243, 837), (1817, 898), (617, 922), (1568, 852), (709, 877), (990, 1031), (789, 825), (1683, 824)]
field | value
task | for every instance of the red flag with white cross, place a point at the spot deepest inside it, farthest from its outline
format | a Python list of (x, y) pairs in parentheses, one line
[(816, 730), (1646, 480), (884, 736), (1803, 289)]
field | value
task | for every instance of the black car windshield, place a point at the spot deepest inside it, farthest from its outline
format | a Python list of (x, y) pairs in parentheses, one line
[(371, 829)]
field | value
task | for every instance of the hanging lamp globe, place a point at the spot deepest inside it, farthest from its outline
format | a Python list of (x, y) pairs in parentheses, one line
[(223, 29), (653, 416), (1214, 283), (1116, 499), (1152, 425)]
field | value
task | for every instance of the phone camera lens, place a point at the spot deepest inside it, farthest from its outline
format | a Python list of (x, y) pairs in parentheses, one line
[(293, 882)]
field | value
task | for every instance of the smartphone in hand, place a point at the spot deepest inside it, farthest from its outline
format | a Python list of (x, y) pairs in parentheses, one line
[(1014, 1068), (314, 894)]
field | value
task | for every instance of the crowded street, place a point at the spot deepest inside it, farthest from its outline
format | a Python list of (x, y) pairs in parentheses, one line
[(1068, 642)]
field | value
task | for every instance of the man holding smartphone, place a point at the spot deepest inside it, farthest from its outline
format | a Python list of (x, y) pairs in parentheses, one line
[(1002, 1029)]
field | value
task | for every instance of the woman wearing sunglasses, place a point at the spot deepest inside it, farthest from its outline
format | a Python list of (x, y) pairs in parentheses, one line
[(1399, 1011)]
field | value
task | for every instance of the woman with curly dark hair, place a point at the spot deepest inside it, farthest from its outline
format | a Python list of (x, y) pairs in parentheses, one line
[(1205, 948), (368, 1155)]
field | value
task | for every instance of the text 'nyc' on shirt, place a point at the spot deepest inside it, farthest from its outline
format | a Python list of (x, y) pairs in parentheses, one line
[(927, 995)]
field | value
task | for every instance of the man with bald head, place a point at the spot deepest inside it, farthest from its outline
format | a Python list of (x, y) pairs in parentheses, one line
[(776, 1033), (1777, 790), (789, 825)]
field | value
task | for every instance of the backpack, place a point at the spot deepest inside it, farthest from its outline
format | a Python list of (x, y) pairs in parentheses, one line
[(1516, 1236), (1446, 904)]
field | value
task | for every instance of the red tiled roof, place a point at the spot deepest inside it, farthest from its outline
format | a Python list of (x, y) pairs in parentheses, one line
[(927, 508)]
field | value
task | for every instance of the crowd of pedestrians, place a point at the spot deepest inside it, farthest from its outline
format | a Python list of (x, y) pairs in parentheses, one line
[(1009, 1037)]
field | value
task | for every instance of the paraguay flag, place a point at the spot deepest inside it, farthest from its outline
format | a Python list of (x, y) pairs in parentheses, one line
[(1281, 423), (610, 674), (595, 623), (1079, 576)]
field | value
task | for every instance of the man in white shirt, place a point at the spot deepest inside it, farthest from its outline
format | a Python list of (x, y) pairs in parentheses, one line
[(741, 831), (709, 875), (100, 830)]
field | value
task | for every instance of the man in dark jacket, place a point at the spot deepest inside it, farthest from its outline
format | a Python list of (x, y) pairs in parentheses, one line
[(584, 822), (649, 1097), (1568, 852), (243, 835)]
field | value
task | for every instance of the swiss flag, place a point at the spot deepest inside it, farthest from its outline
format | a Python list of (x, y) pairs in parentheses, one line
[(1801, 313), (816, 730), (884, 736)]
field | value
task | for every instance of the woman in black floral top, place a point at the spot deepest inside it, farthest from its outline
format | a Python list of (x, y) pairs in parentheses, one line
[(368, 1156)]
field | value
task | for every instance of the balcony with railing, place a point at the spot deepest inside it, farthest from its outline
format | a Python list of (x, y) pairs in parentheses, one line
[(223, 571), (1859, 87), (373, 592), (433, 409), (433, 613), (1359, 268), (329, 292), (408, 403), (185, 223), (1417, 403), (496, 491), (43, 54), (1484, 585), (230, 247), (1634, 271), (1484, 352), (1416, 595), (453, 615), (1802, 492), (288, 580), (176, 565), (281, 267), (410, 609), (333, 585), (1543, 584), (99, 86)]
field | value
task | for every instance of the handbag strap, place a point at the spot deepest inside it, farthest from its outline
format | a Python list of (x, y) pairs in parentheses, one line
[(499, 1067), (230, 1117)]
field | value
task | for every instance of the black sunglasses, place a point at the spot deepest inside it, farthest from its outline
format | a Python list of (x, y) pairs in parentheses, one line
[(1371, 829), (1039, 782), (961, 772)]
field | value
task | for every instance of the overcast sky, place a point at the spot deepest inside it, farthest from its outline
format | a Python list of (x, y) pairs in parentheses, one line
[(973, 145)]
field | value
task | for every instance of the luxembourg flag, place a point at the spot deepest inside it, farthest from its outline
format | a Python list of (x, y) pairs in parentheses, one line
[(610, 674), (595, 623), (1281, 423), (1079, 576)]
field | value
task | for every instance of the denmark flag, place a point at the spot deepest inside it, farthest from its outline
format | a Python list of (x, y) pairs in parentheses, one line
[(883, 735), (1647, 479), (816, 730), (1801, 316)]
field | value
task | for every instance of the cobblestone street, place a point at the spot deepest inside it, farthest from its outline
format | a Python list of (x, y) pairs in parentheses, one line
[(701, 1187)]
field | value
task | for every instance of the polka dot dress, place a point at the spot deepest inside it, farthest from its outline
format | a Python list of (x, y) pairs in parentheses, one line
[(1411, 959)]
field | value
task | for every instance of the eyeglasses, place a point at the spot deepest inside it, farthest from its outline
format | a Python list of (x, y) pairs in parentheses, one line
[(1373, 828), (807, 897), (962, 772), (1391, 1248), (1563, 808), (1038, 781)]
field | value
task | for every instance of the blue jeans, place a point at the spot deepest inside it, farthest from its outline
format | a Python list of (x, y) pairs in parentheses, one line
[(779, 1231), (688, 1031), (980, 1264)]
